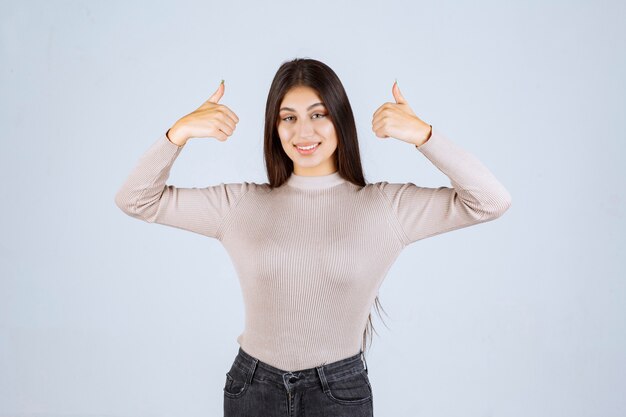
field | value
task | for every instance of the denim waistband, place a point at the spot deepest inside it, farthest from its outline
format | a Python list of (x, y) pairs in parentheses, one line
[(257, 369)]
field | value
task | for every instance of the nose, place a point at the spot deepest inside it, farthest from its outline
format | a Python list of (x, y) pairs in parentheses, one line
[(306, 129)]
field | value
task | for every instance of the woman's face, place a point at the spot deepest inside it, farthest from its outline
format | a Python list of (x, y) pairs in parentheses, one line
[(302, 122)]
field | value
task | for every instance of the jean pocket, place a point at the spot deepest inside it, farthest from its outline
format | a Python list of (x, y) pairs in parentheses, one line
[(352, 389), (235, 385)]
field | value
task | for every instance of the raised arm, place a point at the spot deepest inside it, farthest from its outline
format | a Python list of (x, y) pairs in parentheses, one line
[(476, 195), (145, 194)]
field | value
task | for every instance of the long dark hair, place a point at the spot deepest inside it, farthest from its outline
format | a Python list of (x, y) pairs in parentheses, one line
[(320, 77)]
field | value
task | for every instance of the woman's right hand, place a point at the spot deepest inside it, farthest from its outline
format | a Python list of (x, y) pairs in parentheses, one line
[(209, 120)]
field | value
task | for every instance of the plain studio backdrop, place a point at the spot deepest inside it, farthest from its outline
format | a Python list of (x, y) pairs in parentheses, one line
[(105, 315)]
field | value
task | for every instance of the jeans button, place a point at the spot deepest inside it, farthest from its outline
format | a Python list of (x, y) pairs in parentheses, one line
[(293, 379)]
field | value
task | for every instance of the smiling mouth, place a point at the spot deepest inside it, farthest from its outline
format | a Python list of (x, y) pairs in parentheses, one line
[(308, 148)]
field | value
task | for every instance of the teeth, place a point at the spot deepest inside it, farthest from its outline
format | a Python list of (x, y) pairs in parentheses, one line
[(306, 148)]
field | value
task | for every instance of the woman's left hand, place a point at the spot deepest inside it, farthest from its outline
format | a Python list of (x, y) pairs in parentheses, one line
[(398, 120)]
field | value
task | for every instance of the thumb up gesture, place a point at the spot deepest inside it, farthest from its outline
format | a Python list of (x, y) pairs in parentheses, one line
[(398, 120), (211, 119)]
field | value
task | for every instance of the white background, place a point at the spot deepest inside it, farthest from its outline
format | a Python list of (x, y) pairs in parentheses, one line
[(104, 315)]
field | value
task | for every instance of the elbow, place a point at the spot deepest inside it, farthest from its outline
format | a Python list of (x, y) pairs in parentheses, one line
[(505, 203), (135, 207), (125, 203), (497, 205)]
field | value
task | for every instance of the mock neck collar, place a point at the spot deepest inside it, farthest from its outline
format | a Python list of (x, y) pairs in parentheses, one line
[(316, 182)]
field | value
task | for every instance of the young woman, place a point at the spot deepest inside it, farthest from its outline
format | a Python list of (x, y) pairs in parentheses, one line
[(311, 246)]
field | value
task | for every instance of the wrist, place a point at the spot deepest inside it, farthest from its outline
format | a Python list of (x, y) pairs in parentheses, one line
[(427, 135), (175, 136)]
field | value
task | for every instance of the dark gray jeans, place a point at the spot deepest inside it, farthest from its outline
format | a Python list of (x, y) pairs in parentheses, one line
[(338, 389)]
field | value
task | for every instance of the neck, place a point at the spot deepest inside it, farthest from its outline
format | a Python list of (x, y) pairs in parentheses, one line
[(315, 181)]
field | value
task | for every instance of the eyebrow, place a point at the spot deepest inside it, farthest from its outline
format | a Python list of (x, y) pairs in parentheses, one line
[(308, 108)]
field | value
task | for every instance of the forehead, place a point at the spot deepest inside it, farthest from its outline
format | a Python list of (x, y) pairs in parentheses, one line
[(300, 97)]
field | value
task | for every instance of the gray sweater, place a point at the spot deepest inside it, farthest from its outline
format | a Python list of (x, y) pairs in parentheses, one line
[(312, 253)]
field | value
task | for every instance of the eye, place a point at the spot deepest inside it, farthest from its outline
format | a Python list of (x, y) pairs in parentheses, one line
[(286, 119)]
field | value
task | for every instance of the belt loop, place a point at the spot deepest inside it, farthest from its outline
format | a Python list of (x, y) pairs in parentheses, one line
[(320, 372), (364, 361), (251, 373)]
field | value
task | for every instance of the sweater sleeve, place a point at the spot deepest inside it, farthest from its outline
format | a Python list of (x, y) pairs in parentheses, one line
[(146, 196), (476, 195)]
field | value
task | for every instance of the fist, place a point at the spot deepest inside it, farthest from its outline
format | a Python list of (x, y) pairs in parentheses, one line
[(398, 120)]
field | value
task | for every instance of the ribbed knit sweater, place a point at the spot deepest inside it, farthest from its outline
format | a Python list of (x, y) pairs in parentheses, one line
[(311, 254)]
